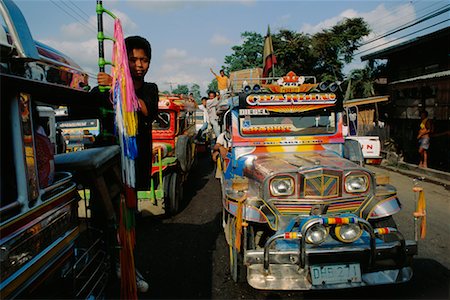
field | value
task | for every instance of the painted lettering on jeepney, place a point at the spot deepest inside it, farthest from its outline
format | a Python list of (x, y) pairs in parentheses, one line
[(291, 99)]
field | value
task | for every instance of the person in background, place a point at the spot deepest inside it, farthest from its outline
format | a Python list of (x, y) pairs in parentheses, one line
[(222, 81), (211, 107), (45, 151), (423, 136), (223, 142), (202, 107)]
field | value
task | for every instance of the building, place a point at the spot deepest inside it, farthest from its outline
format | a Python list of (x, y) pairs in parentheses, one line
[(418, 78)]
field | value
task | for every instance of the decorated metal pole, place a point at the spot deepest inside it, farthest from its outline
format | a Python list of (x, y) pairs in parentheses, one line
[(101, 38)]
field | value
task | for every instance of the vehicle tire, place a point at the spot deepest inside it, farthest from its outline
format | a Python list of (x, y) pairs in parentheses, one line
[(183, 152), (173, 193), (238, 271), (385, 222)]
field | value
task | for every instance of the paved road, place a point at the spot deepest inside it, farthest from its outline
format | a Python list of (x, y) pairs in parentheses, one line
[(185, 257)]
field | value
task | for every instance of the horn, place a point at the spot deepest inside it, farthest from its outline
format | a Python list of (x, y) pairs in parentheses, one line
[(323, 86), (333, 87)]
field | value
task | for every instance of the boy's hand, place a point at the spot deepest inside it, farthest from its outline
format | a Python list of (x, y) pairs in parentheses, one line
[(104, 79)]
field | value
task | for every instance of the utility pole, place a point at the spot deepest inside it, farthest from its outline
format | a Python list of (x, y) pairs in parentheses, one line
[(170, 83)]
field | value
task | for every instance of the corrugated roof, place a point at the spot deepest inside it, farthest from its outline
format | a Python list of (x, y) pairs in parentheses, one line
[(362, 101), (423, 77)]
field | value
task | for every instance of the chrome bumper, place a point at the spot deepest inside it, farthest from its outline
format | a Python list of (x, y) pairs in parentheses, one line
[(386, 263)]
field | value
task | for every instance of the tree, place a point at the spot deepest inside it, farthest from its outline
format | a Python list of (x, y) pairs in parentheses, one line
[(334, 47), (248, 55), (181, 89), (294, 53), (212, 86), (195, 90), (322, 54), (362, 81)]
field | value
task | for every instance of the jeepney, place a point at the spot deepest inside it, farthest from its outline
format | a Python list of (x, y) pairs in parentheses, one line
[(173, 134), (46, 250), (300, 212)]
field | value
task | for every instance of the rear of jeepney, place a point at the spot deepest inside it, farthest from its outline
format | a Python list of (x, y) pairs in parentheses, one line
[(306, 217)]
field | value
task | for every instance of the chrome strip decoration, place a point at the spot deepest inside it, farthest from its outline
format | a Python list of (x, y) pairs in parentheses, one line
[(17, 25)]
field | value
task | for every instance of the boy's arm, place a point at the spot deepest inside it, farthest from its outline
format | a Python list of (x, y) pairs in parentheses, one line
[(213, 72)]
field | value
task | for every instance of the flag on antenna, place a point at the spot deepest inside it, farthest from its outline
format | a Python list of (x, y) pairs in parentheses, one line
[(269, 57)]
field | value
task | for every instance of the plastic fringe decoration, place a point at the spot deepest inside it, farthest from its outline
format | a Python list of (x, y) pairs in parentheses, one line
[(126, 106), (128, 288)]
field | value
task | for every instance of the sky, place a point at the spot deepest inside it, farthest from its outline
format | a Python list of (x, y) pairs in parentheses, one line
[(190, 37)]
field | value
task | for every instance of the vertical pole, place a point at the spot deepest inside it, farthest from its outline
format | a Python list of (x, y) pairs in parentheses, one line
[(100, 36)]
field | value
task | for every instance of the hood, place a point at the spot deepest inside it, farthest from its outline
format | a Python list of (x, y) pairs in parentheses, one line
[(263, 165)]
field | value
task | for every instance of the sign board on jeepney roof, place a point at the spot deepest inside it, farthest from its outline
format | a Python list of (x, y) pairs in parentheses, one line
[(292, 93)]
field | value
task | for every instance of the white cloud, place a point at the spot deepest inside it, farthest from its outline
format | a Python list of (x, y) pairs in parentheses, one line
[(174, 53), (313, 28), (80, 30), (219, 40)]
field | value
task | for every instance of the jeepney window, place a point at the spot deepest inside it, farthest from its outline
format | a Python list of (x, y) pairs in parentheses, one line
[(270, 123), (162, 121), (26, 115), (79, 134), (8, 184)]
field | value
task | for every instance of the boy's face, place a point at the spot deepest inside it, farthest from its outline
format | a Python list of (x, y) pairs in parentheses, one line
[(138, 63), (212, 95)]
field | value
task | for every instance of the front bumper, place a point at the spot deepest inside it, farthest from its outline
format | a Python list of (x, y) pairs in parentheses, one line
[(288, 268)]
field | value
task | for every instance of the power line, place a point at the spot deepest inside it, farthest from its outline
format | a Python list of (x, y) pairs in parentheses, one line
[(61, 8), (77, 7), (407, 25), (409, 15), (402, 37)]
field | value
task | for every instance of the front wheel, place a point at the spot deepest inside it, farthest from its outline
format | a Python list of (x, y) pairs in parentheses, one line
[(173, 193)]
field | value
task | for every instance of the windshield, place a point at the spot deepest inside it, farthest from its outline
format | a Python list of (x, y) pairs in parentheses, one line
[(267, 123), (162, 121)]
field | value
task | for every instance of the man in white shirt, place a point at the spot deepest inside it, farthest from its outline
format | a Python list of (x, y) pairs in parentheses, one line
[(223, 142), (211, 107)]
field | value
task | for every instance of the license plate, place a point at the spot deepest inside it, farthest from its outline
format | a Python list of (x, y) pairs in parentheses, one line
[(331, 274)]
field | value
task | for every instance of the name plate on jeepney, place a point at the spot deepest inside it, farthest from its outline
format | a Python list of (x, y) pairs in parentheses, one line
[(332, 274)]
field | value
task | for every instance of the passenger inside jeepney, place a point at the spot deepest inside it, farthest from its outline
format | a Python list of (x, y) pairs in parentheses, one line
[(223, 142), (44, 151)]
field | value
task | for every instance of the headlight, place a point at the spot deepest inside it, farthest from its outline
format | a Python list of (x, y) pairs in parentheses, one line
[(348, 233), (283, 186), (317, 234), (356, 183)]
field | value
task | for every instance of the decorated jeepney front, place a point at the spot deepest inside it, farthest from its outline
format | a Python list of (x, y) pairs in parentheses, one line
[(298, 214)]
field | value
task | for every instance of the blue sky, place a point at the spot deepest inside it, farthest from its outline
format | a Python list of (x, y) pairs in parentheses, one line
[(189, 37)]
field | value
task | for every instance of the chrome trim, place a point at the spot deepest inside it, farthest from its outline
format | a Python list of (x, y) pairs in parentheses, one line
[(18, 28)]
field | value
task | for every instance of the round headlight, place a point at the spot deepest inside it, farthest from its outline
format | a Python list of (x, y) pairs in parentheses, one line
[(348, 233), (282, 186), (356, 184), (317, 234)]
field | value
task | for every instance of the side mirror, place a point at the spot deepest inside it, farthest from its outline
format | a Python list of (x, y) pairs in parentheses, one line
[(353, 152)]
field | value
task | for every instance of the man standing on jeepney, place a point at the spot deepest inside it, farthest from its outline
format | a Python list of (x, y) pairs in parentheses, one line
[(211, 107), (222, 81), (139, 56)]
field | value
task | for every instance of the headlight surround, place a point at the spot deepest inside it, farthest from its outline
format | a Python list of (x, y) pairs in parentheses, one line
[(356, 183), (317, 234), (282, 186), (348, 233)]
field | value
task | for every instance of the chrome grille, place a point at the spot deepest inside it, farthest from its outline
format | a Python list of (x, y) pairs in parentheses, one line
[(321, 185)]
